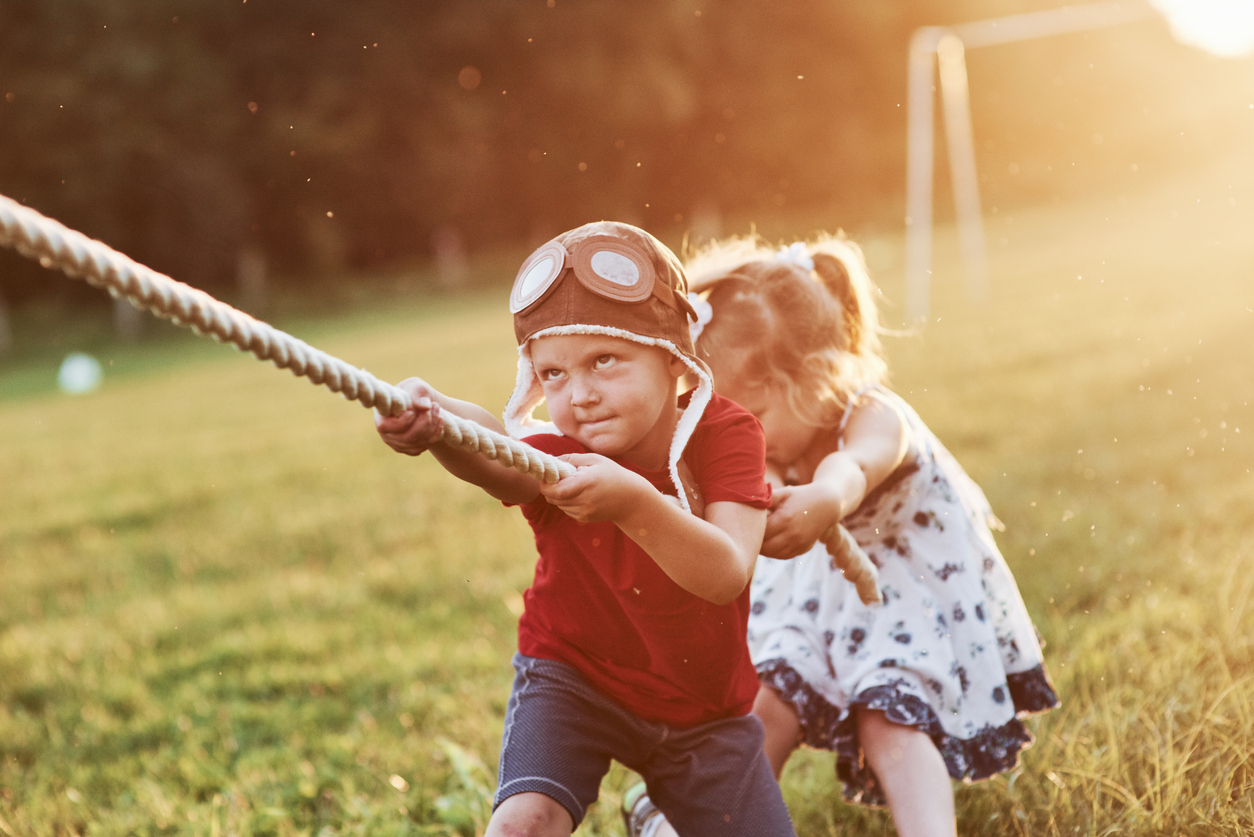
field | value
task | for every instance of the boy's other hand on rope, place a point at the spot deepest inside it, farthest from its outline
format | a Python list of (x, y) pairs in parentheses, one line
[(600, 489), (414, 431)]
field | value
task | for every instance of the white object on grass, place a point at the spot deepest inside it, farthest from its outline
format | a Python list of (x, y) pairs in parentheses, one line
[(79, 373)]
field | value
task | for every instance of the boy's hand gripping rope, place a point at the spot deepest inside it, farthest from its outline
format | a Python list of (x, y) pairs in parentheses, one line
[(56, 246), (854, 563)]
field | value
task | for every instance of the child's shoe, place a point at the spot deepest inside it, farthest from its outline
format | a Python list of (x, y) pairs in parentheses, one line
[(642, 817)]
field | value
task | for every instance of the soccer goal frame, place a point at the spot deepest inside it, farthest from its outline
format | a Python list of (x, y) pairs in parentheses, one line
[(944, 47)]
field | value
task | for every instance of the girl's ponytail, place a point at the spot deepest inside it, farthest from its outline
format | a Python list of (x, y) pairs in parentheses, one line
[(839, 265)]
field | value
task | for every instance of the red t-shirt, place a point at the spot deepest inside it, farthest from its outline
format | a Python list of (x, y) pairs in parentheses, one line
[(600, 604)]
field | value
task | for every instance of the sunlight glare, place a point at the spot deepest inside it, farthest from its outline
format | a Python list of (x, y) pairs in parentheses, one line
[(1221, 27)]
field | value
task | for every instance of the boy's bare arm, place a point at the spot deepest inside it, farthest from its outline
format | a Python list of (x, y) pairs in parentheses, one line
[(712, 557), (419, 429)]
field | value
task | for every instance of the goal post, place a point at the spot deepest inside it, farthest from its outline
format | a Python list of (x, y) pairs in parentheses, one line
[(944, 47)]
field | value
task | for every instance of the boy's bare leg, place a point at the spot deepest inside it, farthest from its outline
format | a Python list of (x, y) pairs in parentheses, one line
[(783, 729), (913, 775), (530, 815)]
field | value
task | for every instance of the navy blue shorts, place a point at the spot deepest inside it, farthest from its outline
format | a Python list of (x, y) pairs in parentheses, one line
[(560, 736)]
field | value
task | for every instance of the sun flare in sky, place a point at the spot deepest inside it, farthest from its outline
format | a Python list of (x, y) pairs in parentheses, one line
[(1221, 27)]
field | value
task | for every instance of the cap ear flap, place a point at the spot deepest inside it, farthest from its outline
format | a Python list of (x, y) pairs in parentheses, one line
[(527, 395)]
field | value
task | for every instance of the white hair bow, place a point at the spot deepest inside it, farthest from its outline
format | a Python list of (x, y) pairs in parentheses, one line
[(796, 253), (705, 313)]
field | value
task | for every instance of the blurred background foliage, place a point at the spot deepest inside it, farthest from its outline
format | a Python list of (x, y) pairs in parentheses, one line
[(330, 139)]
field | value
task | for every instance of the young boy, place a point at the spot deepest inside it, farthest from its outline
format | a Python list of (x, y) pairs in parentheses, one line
[(632, 640)]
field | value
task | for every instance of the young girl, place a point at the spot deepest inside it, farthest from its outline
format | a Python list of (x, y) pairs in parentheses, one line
[(930, 686)]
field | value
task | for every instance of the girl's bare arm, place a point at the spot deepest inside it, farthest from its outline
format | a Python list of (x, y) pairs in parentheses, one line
[(875, 442)]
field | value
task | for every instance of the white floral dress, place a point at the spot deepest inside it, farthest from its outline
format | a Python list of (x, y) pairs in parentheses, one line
[(952, 652)]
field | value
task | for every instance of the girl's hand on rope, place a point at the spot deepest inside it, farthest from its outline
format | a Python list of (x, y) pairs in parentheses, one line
[(414, 431), (800, 514), (600, 489)]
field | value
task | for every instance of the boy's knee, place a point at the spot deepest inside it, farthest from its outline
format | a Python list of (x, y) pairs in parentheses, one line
[(530, 815)]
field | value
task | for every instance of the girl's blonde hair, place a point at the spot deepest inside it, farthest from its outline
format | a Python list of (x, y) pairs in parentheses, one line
[(813, 331)]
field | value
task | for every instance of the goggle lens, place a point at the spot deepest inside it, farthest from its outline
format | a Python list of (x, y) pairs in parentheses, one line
[(537, 275), (614, 268)]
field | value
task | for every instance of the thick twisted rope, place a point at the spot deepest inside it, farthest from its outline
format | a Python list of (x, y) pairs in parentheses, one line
[(56, 246), (857, 566)]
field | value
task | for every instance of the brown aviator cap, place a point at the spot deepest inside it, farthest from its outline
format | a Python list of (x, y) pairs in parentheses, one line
[(604, 274)]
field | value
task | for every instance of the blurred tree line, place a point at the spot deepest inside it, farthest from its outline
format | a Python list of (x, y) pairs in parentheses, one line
[(200, 137)]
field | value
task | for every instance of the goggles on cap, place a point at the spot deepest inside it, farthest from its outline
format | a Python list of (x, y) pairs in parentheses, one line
[(604, 264)]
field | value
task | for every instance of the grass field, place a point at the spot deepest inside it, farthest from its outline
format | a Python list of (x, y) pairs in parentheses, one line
[(226, 608)]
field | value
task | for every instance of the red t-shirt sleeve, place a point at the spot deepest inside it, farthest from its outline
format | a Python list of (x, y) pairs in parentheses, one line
[(728, 456)]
